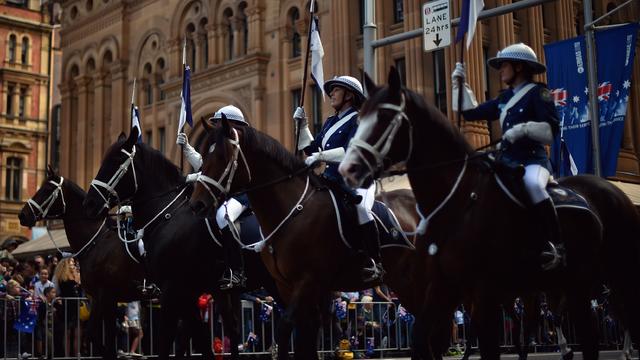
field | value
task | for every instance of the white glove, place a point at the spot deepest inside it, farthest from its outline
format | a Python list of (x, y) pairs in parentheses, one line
[(182, 139), (193, 157), (333, 155), (191, 178), (459, 74), (515, 133), (124, 209), (300, 117), (534, 130)]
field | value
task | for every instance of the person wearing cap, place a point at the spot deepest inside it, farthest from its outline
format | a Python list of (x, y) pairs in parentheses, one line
[(229, 211), (8, 247), (529, 121), (346, 97)]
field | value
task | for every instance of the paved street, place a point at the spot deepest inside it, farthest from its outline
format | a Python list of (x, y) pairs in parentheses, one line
[(604, 355)]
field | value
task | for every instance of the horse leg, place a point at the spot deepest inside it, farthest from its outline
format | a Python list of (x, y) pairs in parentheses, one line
[(431, 322), (198, 331), (307, 326), (229, 302), (283, 334), (168, 324), (527, 327), (579, 308), (109, 318), (565, 350), (486, 316)]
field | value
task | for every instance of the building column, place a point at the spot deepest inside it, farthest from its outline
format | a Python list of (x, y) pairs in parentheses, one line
[(236, 25), (15, 99), (175, 54), (255, 22), (83, 115), (28, 101), (212, 39), (199, 42), (119, 91), (65, 129), (98, 115), (222, 55)]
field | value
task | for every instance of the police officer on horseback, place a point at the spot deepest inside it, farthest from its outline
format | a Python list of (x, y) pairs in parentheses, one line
[(229, 211), (529, 121), (346, 97)]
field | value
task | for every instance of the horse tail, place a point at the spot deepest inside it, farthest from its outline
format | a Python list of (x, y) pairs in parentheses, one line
[(620, 247)]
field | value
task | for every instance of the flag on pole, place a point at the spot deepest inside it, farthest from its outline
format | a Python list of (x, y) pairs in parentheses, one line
[(317, 53), (135, 113), (185, 95), (468, 19)]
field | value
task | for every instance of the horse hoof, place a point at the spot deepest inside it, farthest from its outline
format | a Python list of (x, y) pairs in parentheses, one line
[(568, 356)]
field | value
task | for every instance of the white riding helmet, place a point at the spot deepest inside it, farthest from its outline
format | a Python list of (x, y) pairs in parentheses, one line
[(232, 113), (518, 52), (349, 82)]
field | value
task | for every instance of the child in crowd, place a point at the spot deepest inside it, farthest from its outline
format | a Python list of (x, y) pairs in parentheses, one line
[(42, 284)]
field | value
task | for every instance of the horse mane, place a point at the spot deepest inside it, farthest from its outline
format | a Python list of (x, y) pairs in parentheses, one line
[(430, 112), (267, 146), (157, 163), (75, 188)]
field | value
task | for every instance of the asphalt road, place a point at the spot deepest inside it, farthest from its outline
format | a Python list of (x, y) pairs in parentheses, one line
[(604, 355)]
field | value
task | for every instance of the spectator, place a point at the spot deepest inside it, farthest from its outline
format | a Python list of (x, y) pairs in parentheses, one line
[(51, 263), (8, 247), (42, 284), (47, 316), (135, 328), (68, 279)]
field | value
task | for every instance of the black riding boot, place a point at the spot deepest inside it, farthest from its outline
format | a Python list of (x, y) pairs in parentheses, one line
[(148, 289), (549, 233), (233, 277), (372, 269)]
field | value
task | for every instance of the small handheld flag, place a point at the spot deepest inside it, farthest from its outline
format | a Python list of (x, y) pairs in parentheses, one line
[(185, 95), (317, 53), (468, 19), (135, 113)]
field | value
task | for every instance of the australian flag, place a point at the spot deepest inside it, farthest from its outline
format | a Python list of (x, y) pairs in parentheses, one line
[(26, 321), (567, 74)]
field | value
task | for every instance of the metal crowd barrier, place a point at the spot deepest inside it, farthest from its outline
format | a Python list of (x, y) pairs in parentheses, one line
[(373, 328)]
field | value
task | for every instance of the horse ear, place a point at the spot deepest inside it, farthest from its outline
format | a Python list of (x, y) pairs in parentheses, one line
[(122, 137), (208, 127), (134, 134), (50, 172), (394, 80), (370, 85), (226, 126)]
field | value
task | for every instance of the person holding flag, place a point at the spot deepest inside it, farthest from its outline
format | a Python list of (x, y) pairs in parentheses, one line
[(529, 122), (229, 211)]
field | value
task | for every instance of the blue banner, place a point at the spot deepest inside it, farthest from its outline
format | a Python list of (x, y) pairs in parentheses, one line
[(567, 75)]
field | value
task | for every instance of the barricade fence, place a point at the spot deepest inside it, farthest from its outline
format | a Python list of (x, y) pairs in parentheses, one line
[(59, 330)]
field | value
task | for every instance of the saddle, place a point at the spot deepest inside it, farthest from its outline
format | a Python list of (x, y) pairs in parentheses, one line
[(510, 179)]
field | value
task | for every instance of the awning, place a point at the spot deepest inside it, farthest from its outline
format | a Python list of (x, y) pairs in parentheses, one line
[(43, 245), (632, 190)]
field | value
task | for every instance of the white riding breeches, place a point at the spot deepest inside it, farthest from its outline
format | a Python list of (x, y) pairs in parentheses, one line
[(535, 179), (231, 208), (364, 207)]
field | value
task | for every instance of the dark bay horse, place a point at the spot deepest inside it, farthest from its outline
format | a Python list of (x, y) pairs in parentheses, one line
[(481, 243), (303, 249), (109, 275), (182, 255)]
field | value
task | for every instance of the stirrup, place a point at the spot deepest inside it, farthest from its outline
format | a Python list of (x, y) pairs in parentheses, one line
[(373, 272), (150, 291), (234, 279), (555, 260)]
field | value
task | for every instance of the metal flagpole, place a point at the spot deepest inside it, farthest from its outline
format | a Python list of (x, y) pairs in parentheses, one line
[(184, 64), (133, 101), (368, 36), (592, 76), (461, 83), (306, 69)]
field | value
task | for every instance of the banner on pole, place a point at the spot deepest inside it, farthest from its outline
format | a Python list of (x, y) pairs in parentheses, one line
[(567, 75)]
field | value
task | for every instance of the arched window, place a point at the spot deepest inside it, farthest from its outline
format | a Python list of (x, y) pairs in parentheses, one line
[(10, 89), (160, 78), (228, 18), (13, 179), (22, 103), (205, 41), (24, 53), (294, 16), (191, 46), (245, 28), (12, 48), (148, 86)]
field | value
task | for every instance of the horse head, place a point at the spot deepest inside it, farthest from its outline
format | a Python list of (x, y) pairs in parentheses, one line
[(47, 203), (116, 180), (224, 168), (384, 135)]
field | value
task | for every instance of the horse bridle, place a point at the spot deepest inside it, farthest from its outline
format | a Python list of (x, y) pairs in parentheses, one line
[(229, 171), (46, 205), (110, 186), (381, 148)]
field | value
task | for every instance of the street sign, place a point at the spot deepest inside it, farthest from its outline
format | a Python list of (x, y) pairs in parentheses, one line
[(436, 25)]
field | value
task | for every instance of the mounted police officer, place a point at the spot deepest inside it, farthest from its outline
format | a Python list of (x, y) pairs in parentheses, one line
[(529, 121), (346, 97), (229, 211)]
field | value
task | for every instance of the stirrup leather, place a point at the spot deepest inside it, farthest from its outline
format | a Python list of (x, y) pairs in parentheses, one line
[(373, 272), (554, 255), (231, 279)]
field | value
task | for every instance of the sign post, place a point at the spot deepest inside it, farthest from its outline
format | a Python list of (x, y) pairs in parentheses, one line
[(436, 25)]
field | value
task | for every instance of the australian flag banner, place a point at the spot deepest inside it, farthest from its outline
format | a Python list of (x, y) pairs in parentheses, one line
[(26, 321), (567, 75)]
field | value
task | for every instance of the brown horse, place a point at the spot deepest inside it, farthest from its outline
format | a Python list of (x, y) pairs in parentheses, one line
[(482, 244), (108, 273), (303, 249)]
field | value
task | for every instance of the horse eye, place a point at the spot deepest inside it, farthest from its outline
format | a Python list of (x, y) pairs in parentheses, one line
[(211, 148)]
